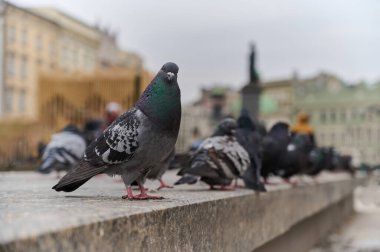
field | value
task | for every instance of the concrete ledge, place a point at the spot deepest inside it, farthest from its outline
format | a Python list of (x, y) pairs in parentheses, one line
[(95, 218)]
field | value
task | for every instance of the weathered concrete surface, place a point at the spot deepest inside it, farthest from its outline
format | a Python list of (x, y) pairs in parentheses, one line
[(191, 218)]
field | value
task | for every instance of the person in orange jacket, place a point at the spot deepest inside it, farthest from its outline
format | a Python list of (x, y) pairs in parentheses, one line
[(302, 126)]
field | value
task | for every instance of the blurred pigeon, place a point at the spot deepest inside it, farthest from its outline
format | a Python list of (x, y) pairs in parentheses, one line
[(345, 164), (274, 148), (160, 169), (320, 159), (223, 128), (64, 151), (92, 129), (135, 142), (248, 136), (180, 160), (220, 158), (338, 162), (296, 160)]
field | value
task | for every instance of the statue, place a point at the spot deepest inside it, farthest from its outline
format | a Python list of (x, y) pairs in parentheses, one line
[(254, 78), (251, 92)]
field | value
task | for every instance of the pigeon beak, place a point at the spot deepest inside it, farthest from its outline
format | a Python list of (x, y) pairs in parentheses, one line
[(170, 75)]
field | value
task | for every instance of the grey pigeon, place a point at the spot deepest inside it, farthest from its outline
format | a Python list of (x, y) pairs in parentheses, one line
[(219, 160), (64, 151), (160, 169), (249, 137), (137, 141), (274, 149)]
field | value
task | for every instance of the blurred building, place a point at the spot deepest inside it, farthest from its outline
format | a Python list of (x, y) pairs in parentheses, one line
[(78, 43), (130, 60), (344, 116), (347, 117), (108, 53), (34, 41), (277, 101), (29, 46)]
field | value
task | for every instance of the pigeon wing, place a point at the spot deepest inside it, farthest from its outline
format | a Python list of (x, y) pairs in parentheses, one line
[(118, 142)]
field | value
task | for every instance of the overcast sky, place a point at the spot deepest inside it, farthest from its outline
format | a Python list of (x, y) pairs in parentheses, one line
[(209, 40)]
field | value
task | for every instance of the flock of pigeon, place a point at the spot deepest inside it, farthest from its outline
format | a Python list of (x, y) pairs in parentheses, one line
[(140, 145)]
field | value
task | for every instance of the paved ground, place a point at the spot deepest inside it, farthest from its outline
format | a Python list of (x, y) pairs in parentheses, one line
[(362, 232)]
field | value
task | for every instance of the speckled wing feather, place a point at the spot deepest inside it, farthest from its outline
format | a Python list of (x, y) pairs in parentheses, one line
[(118, 142), (226, 153)]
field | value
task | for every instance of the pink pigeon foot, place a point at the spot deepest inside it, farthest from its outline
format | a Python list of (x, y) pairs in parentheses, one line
[(163, 185), (142, 196), (294, 183), (266, 182)]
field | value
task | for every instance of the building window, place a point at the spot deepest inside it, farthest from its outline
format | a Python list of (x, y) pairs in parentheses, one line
[(333, 116), (323, 116), (358, 134), (354, 114), (75, 57), (332, 138), (11, 34), (343, 115), (24, 37), (39, 44), (363, 115), (24, 67), (9, 100), (22, 102), (321, 138), (65, 55), (11, 64), (52, 50), (369, 134), (370, 116)]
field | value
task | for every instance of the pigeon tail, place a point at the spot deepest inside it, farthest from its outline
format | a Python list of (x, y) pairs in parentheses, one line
[(187, 179), (70, 187), (258, 187), (252, 181), (77, 177)]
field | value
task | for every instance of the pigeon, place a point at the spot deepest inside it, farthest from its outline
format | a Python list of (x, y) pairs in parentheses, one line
[(345, 164), (160, 169), (248, 136), (136, 141), (296, 160), (219, 159), (64, 151), (320, 159), (274, 148), (182, 160), (92, 129)]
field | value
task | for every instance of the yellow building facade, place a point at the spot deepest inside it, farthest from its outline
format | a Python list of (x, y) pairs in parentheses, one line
[(30, 45), (78, 43), (46, 41)]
